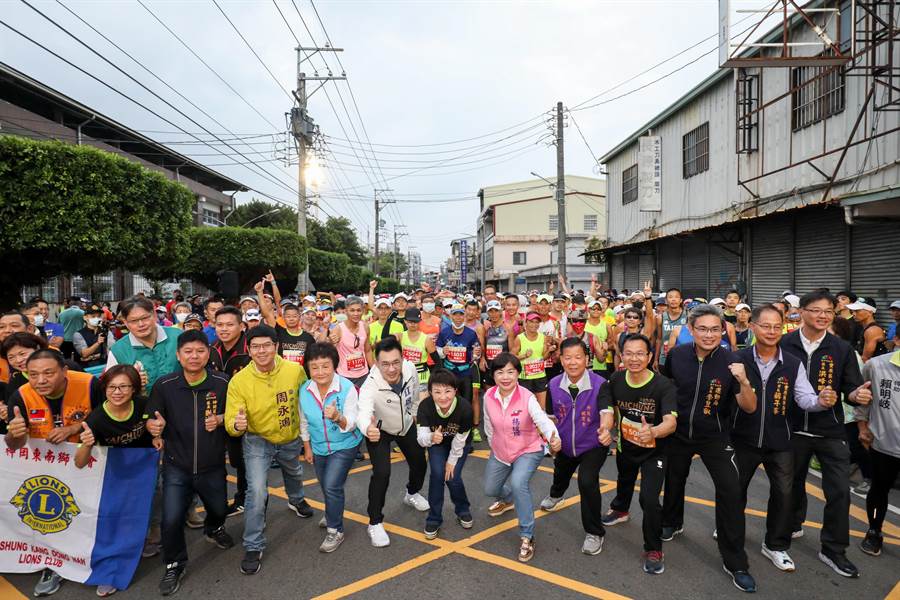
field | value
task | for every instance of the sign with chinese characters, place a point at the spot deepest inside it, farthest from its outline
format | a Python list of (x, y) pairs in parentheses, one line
[(650, 173), (463, 261)]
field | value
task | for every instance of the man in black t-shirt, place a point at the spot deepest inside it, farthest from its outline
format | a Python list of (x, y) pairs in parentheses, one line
[(444, 424), (646, 415), (292, 339)]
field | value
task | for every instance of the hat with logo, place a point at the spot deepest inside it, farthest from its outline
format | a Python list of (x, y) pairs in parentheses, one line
[(544, 298), (863, 304), (413, 315), (252, 315), (194, 317), (457, 309), (532, 316), (383, 302), (493, 305)]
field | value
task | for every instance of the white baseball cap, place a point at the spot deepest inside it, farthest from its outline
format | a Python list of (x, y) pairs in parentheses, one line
[(252, 315), (895, 304), (716, 301), (383, 301), (863, 304), (793, 300), (742, 306)]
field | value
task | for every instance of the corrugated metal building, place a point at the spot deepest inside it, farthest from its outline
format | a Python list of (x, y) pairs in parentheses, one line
[(754, 211)]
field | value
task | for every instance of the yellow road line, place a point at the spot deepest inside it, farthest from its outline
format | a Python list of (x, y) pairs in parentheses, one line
[(9, 592), (894, 594), (541, 574), (855, 512)]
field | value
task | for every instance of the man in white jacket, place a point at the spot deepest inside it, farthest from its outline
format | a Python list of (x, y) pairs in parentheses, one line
[(388, 402)]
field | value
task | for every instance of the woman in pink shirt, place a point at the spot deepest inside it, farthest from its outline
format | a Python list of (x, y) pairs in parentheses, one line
[(351, 339), (514, 424)]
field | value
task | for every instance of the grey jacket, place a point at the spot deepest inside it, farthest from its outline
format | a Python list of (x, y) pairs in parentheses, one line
[(883, 414)]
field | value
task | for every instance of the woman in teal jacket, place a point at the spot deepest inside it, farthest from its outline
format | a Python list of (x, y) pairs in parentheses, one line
[(328, 406)]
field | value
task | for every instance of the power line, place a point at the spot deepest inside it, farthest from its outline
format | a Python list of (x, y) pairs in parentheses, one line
[(584, 139)]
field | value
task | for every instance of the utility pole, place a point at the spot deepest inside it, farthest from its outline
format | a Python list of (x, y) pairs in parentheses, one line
[(396, 249), (378, 205), (303, 128), (560, 192)]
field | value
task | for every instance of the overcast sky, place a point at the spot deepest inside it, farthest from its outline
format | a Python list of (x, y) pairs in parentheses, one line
[(422, 73)]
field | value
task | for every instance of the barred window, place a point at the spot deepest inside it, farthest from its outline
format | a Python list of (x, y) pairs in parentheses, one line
[(630, 184), (210, 217), (590, 222), (554, 222), (519, 258), (695, 151), (818, 93)]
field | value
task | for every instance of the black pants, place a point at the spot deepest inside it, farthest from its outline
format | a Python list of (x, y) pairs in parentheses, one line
[(884, 472), (858, 452), (588, 464), (834, 456), (179, 487), (67, 349), (380, 455), (236, 459), (719, 459), (653, 472), (779, 468)]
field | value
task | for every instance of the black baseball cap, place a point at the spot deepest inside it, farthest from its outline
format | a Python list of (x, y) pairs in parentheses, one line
[(413, 315)]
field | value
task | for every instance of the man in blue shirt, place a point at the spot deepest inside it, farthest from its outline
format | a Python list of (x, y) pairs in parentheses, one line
[(38, 312), (892, 328), (456, 346)]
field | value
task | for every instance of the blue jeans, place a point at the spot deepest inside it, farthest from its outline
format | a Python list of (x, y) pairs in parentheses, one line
[(511, 483), (331, 471), (437, 461), (258, 455)]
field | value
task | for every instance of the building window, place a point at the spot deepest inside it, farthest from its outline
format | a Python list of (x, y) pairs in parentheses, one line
[(554, 222), (818, 93), (747, 124), (590, 222), (695, 151), (519, 258), (629, 184), (489, 259), (210, 217)]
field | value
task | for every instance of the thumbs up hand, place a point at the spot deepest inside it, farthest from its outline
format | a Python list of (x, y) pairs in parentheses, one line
[(555, 443), (437, 436), (372, 431), (240, 421), (87, 436), (17, 427), (828, 397), (4, 411), (330, 411), (864, 394), (156, 425), (646, 432)]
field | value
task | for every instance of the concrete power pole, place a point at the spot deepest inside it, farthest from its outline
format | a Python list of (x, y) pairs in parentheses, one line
[(303, 128), (560, 191), (378, 205), (397, 250)]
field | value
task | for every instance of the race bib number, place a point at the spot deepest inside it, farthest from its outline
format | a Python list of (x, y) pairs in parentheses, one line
[(413, 355), (492, 350), (535, 367), (356, 362), (456, 354), (293, 356), (629, 430), (548, 363)]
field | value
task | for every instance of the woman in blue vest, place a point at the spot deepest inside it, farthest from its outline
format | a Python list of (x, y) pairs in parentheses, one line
[(328, 405)]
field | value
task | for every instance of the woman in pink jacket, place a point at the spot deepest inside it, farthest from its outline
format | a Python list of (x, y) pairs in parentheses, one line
[(514, 424)]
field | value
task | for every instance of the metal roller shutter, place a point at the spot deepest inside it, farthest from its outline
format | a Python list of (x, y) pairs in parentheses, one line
[(617, 271), (873, 265), (631, 272), (693, 263), (645, 269), (819, 251), (669, 264), (771, 263), (724, 267)]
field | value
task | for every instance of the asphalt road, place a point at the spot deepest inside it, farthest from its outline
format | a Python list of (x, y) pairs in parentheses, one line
[(480, 562)]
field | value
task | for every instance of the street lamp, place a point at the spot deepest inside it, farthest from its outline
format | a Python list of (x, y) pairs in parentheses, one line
[(265, 214)]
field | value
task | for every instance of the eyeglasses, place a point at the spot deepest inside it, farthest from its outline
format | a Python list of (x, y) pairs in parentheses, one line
[(818, 312), (596, 307), (768, 327), (391, 365), (708, 330), (629, 355), (125, 387), (632, 317), (260, 347)]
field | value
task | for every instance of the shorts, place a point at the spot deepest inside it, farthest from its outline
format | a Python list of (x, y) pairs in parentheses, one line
[(534, 385)]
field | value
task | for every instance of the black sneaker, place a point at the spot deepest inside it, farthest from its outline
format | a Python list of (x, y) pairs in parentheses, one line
[(431, 530), (654, 562), (302, 508), (872, 543), (668, 533), (742, 580), (252, 562), (220, 538), (839, 563), (234, 509), (171, 580)]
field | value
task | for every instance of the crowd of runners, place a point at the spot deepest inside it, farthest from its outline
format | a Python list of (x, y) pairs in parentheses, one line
[(651, 377)]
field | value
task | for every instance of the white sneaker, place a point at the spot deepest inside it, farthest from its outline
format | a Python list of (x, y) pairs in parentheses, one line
[(779, 558), (417, 501), (796, 534), (379, 536), (550, 503)]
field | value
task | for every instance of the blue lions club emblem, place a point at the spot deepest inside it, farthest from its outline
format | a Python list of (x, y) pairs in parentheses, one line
[(45, 504)]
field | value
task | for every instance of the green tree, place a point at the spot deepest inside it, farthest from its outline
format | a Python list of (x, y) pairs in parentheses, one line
[(386, 263), (258, 213), (249, 251), (77, 209)]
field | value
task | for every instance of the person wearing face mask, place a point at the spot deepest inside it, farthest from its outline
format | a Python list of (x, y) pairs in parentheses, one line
[(180, 313), (38, 312), (90, 341), (577, 321)]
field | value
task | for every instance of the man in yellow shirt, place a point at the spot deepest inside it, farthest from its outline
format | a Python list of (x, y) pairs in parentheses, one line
[(262, 407)]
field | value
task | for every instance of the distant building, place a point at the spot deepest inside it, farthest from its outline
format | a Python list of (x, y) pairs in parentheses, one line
[(460, 267), (517, 237), (28, 108)]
